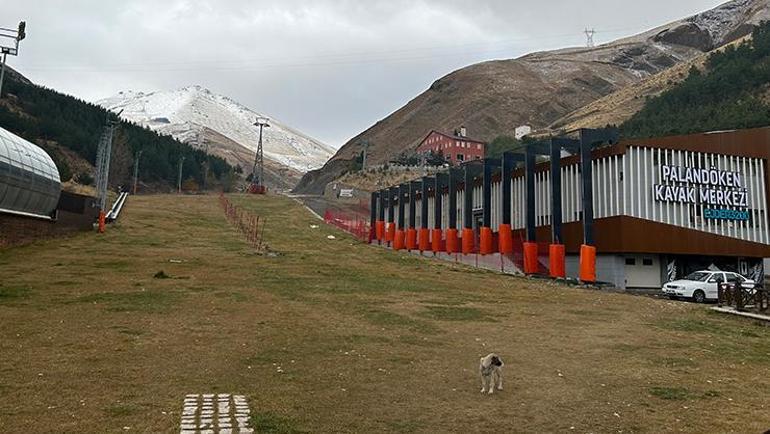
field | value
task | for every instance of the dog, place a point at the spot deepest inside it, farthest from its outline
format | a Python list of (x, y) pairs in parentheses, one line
[(491, 370)]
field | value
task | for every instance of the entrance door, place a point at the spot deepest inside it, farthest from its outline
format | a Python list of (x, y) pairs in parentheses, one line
[(642, 271)]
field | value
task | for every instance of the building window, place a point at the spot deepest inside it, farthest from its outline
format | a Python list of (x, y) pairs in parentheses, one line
[(478, 158), (647, 262), (478, 147), (630, 261), (460, 157)]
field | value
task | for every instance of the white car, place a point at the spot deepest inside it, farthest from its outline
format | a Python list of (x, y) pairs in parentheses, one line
[(703, 285)]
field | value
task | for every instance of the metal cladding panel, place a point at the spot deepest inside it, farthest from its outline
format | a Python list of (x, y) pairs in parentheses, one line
[(647, 178), (29, 179), (445, 211)]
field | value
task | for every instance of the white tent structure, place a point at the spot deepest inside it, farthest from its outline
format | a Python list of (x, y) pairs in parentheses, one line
[(29, 180)]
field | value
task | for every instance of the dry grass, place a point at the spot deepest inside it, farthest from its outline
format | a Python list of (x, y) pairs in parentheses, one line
[(368, 340)]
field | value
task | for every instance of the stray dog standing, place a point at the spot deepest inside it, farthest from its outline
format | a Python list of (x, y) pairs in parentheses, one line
[(491, 370)]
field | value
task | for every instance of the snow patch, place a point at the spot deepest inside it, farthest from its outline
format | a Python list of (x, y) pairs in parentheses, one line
[(183, 112)]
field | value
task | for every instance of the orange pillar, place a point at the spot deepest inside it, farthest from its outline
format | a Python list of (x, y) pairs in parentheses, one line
[(424, 239), (411, 239), (587, 263), (436, 240), (530, 258), (452, 243), (485, 241), (506, 239), (398, 240), (391, 232), (467, 240), (556, 260), (380, 229), (102, 218)]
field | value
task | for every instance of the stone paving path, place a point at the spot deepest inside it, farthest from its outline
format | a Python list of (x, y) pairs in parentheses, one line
[(215, 413)]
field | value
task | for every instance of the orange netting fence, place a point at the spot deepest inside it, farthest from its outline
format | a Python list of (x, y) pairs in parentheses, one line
[(251, 225), (351, 222)]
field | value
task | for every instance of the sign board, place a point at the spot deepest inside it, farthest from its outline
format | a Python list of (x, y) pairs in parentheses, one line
[(346, 192), (719, 190)]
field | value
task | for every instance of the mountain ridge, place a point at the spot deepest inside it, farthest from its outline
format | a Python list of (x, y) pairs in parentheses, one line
[(494, 97), (187, 113)]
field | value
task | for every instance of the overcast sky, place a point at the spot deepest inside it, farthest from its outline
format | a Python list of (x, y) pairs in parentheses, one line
[(330, 68)]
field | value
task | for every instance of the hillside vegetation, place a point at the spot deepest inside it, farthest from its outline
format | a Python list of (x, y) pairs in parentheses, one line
[(43, 116), (729, 94)]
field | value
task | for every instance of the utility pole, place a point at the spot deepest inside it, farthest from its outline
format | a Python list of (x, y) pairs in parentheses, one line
[(179, 179), (258, 172), (201, 141), (12, 48), (136, 169), (103, 156), (589, 37), (365, 144)]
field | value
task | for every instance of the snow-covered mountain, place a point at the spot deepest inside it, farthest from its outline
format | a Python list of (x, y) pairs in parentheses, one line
[(189, 112)]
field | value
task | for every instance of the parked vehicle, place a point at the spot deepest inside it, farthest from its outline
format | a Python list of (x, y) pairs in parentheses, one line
[(704, 285)]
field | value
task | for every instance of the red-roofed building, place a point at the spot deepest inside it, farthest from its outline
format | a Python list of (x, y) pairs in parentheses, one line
[(455, 148)]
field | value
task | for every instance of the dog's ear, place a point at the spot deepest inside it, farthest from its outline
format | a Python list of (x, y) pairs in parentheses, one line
[(496, 361)]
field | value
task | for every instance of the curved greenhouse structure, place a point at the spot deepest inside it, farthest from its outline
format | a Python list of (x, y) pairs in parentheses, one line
[(29, 180)]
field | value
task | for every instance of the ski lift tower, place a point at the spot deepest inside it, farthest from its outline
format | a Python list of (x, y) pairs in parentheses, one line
[(258, 173), (103, 158)]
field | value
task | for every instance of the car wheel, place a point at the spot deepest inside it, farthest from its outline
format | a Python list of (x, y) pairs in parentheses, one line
[(699, 296)]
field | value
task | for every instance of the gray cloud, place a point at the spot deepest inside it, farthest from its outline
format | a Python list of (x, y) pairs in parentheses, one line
[(329, 68)]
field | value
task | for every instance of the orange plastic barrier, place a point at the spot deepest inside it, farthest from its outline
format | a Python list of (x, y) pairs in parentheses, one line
[(530, 258), (556, 254), (380, 229), (424, 239), (411, 239), (101, 221), (452, 243), (587, 263), (485, 241), (391, 233), (506, 239), (398, 240), (468, 241), (436, 240)]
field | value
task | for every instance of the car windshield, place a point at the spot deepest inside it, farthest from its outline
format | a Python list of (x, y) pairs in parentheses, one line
[(733, 277), (699, 276)]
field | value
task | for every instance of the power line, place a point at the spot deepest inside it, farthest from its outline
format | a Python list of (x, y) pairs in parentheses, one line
[(329, 59)]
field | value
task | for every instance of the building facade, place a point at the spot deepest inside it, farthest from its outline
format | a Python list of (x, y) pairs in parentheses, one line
[(642, 211), (456, 149)]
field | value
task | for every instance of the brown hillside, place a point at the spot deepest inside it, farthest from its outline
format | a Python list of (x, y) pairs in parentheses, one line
[(279, 176), (492, 98), (621, 105)]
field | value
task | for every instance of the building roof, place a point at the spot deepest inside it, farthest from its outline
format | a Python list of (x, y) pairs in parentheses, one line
[(466, 139)]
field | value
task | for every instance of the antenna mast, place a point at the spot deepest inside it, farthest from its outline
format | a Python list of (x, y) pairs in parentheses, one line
[(590, 37)]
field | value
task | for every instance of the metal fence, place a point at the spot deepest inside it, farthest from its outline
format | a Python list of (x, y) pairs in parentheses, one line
[(251, 225), (743, 299)]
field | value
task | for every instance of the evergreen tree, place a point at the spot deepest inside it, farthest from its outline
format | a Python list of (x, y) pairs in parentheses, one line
[(724, 96)]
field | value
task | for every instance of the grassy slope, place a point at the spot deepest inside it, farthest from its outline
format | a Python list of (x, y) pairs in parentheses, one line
[(368, 340)]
